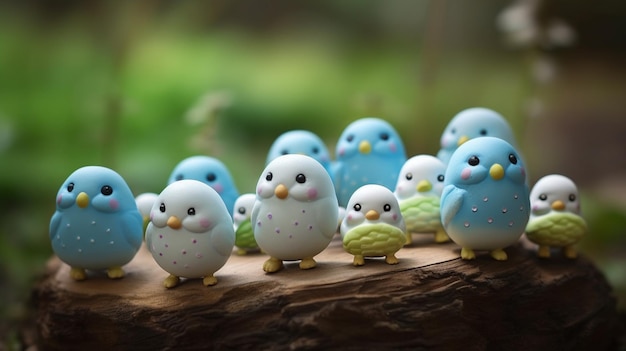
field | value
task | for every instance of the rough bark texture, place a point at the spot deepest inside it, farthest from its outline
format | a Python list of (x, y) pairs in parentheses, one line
[(430, 300)]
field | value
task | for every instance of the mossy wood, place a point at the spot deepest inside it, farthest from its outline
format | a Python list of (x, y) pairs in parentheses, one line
[(430, 300)]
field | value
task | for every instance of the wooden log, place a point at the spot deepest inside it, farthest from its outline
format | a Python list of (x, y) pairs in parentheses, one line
[(430, 300)]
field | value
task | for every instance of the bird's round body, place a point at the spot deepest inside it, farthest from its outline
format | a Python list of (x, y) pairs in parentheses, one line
[(473, 123), (295, 213), (555, 219), (96, 225), (373, 225), (418, 191), (302, 142), (244, 235), (190, 233), (369, 151), (485, 200), (210, 171), (144, 202)]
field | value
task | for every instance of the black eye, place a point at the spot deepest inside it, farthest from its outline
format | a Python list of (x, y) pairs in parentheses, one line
[(409, 176), (387, 207), (269, 176), (179, 177), (106, 190), (453, 131), (162, 207), (513, 159), (70, 187), (211, 177), (473, 161), (572, 197), (300, 178), (191, 211), (242, 210), (440, 177), (543, 197), (384, 136), (350, 138), (357, 207), (316, 150), (284, 152), (483, 132)]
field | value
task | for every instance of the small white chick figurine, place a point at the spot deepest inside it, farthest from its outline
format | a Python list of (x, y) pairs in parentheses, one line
[(555, 219), (418, 191), (244, 236), (190, 233), (373, 225), (295, 213)]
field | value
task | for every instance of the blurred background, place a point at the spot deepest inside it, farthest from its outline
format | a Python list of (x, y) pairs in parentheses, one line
[(139, 85)]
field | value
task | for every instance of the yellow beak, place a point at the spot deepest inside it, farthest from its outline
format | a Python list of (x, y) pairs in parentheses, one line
[(372, 215), (496, 171), (82, 200), (174, 222), (424, 186), (365, 147), (462, 139), (281, 192), (558, 205)]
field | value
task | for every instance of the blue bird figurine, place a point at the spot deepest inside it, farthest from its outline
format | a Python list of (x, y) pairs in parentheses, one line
[(369, 151), (96, 225), (301, 142), (211, 172), (485, 202), (473, 123)]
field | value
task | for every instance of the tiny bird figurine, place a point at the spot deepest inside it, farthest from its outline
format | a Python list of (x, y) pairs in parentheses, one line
[(555, 219), (373, 225), (244, 235), (485, 203), (472, 123), (210, 171), (418, 191), (96, 225), (295, 213), (369, 151), (190, 233)]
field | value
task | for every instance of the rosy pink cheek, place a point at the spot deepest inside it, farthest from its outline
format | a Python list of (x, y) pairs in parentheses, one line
[(395, 217), (258, 190), (59, 198), (151, 216), (392, 147), (205, 223), (312, 193), (114, 204), (218, 188), (523, 172), (342, 151), (466, 173)]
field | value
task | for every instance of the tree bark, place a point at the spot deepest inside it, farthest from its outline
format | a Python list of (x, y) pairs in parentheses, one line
[(430, 300)]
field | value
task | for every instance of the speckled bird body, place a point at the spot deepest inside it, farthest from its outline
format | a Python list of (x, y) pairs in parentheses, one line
[(485, 201), (373, 225), (473, 123), (369, 151), (96, 225), (418, 190), (210, 171), (555, 219), (295, 214), (190, 233)]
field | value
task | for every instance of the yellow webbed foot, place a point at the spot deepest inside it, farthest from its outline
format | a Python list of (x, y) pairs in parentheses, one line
[(272, 265), (171, 281), (78, 274), (467, 254), (209, 280), (307, 263), (115, 272), (391, 259), (358, 260), (570, 252), (441, 236), (499, 255), (409, 239), (242, 252), (543, 251)]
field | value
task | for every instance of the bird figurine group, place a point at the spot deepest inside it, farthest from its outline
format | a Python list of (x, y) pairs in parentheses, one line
[(474, 192)]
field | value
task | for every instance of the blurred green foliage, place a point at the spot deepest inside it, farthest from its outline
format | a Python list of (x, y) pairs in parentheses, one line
[(140, 85)]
